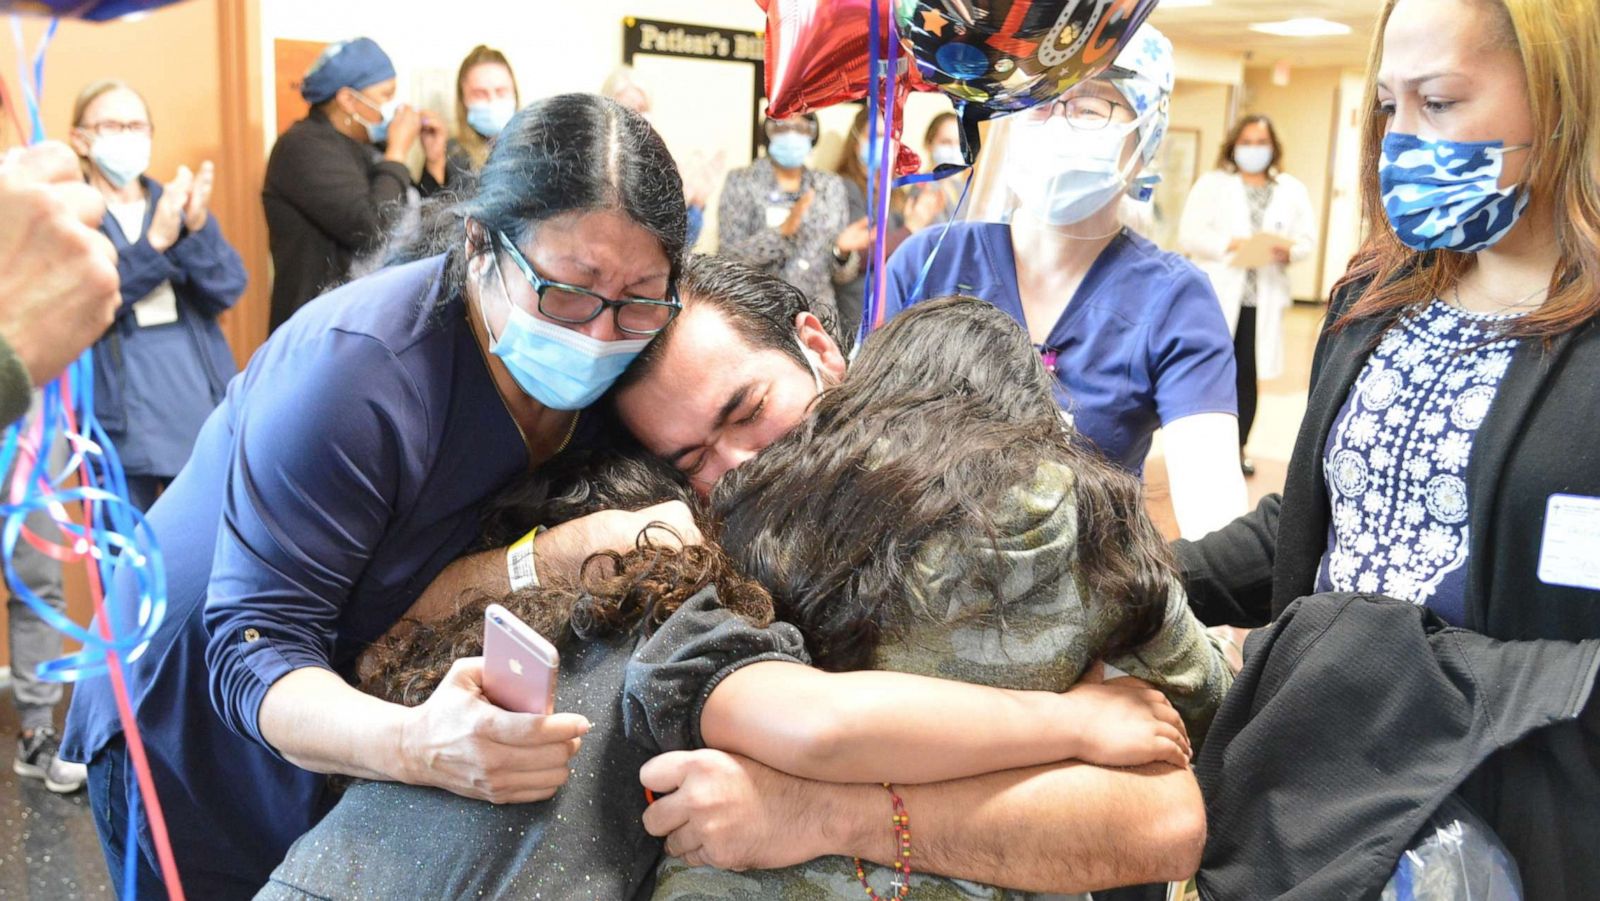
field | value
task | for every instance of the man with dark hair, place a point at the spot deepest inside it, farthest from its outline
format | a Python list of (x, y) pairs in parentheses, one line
[(733, 373)]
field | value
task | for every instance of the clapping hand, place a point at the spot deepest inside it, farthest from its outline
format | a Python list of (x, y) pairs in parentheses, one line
[(856, 237), (198, 209), (166, 225)]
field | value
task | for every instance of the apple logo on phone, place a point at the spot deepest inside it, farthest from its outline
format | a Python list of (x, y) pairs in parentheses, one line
[(515, 664)]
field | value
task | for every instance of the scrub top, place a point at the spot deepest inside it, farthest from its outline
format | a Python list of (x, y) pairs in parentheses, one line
[(1142, 344), (345, 468)]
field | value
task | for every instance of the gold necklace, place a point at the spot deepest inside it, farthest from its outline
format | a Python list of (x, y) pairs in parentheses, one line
[(1455, 289), (571, 430)]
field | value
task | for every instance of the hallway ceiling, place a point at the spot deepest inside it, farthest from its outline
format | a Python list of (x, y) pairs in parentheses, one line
[(1224, 25)]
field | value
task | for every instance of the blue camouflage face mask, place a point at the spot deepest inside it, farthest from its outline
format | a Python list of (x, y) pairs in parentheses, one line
[(1446, 195)]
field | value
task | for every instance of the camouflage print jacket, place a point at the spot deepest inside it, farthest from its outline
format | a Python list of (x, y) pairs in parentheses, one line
[(1050, 634)]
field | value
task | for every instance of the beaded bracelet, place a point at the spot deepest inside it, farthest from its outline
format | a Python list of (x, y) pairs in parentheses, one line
[(902, 866)]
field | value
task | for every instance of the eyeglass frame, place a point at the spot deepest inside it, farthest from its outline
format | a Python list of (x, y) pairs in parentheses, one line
[(122, 127), (540, 285), (1066, 103), (772, 127)]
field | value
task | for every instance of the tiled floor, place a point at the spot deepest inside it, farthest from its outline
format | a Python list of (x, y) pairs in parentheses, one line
[(48, 849)]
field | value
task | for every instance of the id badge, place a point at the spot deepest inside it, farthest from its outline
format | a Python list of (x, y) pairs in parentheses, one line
[(1569, 553), (779, 203), (159, 307)]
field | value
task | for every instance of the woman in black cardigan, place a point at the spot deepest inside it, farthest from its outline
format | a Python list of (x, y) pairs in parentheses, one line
[(1450, 453), (337, 179)]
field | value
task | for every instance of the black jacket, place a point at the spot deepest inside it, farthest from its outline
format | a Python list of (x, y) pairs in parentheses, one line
[(1354, 718), (328, 199), (458, 170), (1541, 438)]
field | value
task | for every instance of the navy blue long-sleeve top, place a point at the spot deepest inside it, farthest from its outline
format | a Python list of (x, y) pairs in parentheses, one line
[(156, 384), (345, 468)]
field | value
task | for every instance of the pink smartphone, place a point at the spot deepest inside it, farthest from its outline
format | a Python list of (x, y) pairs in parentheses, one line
[(519, 665)]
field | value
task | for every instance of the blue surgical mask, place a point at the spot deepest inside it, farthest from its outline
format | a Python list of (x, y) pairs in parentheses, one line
[(488, 119), (1446, 195), (789, 149), (121, 158), (1063, 176), (948, 155), (1253, 159), (379, 133), (560, 368)]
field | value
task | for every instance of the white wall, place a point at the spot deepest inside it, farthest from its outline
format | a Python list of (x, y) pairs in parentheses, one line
[(1344, 198), (1195, 63), (1304, 112), (556, 47)]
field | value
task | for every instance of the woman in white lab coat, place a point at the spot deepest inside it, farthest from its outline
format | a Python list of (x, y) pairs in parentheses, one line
[(1248, 195)]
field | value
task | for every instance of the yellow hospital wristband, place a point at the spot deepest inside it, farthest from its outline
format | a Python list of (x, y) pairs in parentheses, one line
[(519, 562)]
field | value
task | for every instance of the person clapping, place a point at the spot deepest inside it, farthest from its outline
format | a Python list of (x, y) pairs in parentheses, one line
[(164, 364)]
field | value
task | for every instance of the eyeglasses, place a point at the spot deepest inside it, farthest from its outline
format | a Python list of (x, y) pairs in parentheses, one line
[(575, 306), (112, 127), (1085, 113), (775, 127)]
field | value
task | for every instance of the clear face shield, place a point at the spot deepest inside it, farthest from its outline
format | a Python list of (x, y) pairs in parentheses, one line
[(1066, 161)]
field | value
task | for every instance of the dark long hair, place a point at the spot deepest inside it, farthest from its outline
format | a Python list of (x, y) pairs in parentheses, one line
[(572, 153), (615, 593), (946, 412)]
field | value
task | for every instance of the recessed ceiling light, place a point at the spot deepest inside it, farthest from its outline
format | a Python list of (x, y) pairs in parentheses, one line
[(1302, 28)]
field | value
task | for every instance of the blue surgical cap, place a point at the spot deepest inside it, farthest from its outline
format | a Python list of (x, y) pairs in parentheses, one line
[(354, 64)]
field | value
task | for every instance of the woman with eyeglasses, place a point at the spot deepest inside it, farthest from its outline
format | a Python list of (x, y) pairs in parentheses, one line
[(790, 219), (160, 368), (349, 463), (336, 178), (163, 365), (1132, 335)]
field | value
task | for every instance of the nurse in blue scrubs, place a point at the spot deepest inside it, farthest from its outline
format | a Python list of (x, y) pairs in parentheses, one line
[(347, 466), (1134, 336)]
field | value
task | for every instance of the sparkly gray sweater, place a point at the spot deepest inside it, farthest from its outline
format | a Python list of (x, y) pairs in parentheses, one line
[(386, 841)]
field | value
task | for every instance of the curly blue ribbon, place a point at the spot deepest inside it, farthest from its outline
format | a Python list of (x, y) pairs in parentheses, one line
[(117, 531), (32, 77)]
